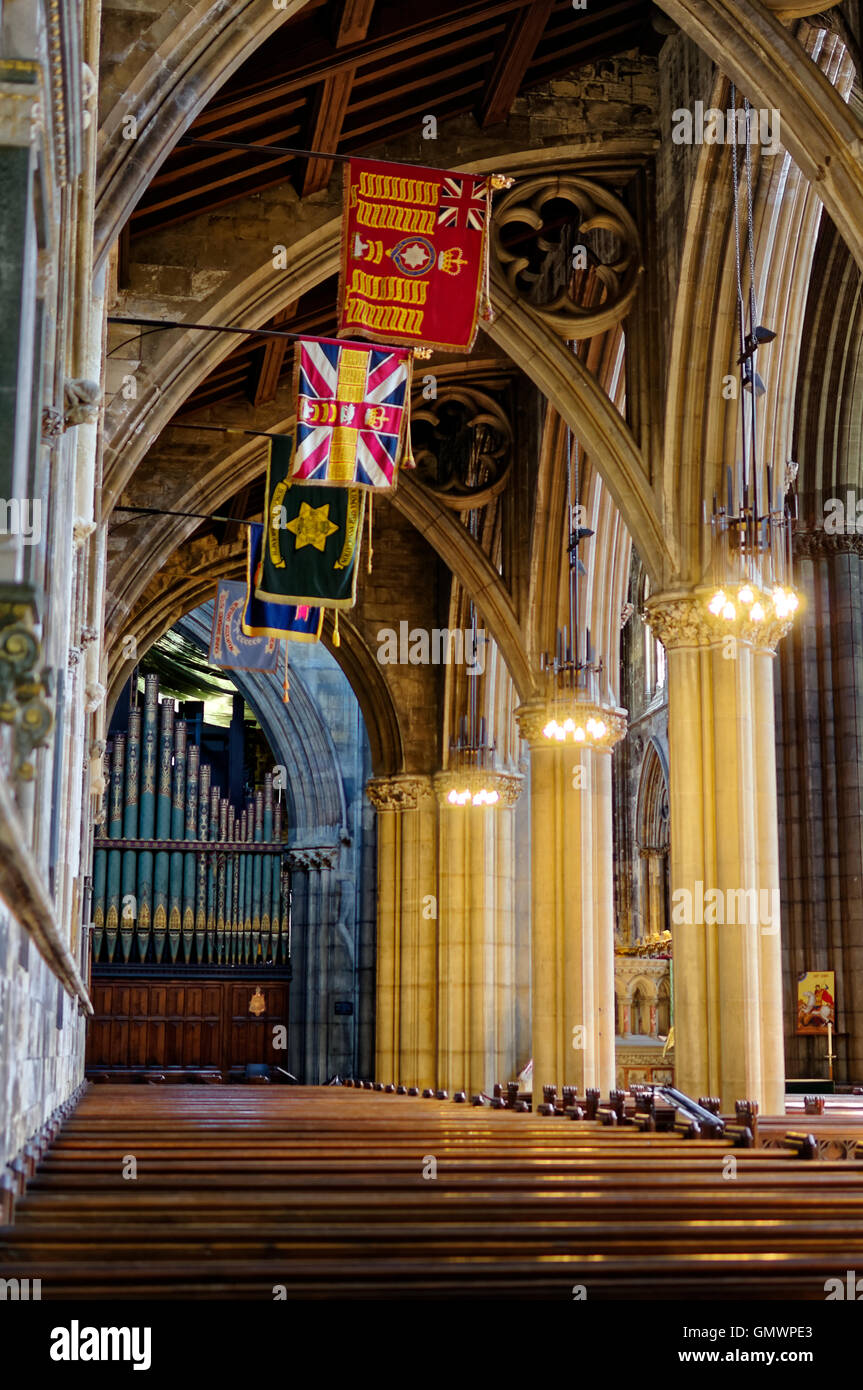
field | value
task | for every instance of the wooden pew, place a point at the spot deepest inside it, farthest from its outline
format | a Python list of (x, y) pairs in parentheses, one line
[(325, 1191)]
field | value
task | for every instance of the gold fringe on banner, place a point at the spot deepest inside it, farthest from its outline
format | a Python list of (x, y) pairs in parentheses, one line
[(407, 453), (337, 641), (486, 311), (286, 689), (371, 551)]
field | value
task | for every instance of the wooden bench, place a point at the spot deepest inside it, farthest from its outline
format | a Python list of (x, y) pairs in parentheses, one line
[(325, 1191)]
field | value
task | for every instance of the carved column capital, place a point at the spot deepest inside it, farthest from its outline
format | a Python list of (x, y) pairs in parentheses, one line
[(508, 785), (811, 545), (532, 719), (313, 857), (406, 791), (683, 620)]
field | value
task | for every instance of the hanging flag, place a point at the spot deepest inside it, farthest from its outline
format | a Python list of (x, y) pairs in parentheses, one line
[(353, 407), (261, 619), (230, 646), (414, 254), (312, 542)]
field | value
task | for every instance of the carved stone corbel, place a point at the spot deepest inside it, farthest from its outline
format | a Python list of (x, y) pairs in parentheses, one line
[(81, 402), (52, 424), (23, 687), (94, 694)]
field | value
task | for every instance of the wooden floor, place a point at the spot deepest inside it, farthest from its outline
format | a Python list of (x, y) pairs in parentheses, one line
[(242, 1192)]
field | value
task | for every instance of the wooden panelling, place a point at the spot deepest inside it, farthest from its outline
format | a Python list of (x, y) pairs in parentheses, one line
[(184, 1023)]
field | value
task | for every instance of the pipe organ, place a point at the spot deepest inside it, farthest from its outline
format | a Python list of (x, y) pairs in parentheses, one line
[(180, 875)]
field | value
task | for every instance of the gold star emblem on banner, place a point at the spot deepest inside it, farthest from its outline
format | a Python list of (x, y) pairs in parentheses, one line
[(312, 526)]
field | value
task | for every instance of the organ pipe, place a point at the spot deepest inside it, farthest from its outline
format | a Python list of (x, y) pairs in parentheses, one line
[(189, 868)]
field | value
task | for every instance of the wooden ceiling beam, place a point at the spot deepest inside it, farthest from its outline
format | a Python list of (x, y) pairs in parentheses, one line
[(208, 396), (354, 22), (236, 179), (200, 164), (273, 358), (333, 101), (442, 105), (208, 124), (335, 95), (601, 41), (415, 57), (225, 531), (142, 222), (440, 22), (476, 60), (527, 29)]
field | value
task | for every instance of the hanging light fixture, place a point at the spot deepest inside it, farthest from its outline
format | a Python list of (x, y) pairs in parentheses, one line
[(470, 777), (751, 525), (572, 678)]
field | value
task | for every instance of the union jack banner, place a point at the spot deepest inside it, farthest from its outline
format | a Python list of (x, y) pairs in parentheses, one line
[(463, 202), (353, 408)]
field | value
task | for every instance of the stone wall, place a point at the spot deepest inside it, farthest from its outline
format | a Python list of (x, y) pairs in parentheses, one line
[(686, 75), (41, 1039), (49, 611)]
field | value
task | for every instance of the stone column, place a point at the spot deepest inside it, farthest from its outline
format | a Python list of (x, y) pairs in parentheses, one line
[(572, 877), (316, 1050), (819, 713), (724, 852), (405, 1024), (653, 918), (476, 1038)]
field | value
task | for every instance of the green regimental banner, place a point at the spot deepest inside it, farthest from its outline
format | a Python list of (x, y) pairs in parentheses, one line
[(312, 540)]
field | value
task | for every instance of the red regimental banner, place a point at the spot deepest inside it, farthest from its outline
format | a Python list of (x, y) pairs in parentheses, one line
[(413, 254)]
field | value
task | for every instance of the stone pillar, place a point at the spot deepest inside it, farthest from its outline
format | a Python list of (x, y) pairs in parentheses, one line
[(316, 1050), (572, 876), (654, 924), (405, 1023), (477, 978), (819, 713), (724, 852)]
